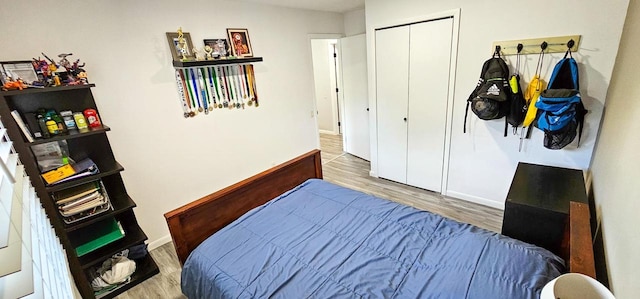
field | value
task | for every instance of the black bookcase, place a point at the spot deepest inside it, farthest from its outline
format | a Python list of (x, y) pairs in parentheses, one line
[(95, 145)]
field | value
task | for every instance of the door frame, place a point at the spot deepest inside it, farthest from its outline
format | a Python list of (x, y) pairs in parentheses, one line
[(336, 36), (372, 71)]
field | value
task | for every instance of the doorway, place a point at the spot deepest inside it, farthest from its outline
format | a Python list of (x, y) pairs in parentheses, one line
[(341, 97), (326, 68)]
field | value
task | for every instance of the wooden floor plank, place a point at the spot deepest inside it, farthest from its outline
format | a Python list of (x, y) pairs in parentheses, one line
[(345, 170)]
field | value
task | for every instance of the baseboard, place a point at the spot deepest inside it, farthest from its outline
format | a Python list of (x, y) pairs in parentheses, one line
[(159, 242), (476, 199), (327, 132)]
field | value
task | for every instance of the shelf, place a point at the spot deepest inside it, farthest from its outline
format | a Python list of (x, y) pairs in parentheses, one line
[(120, 204), (72, 134), (33, 90), (145, 268), (113, 169), (133, 235), (216, 62)]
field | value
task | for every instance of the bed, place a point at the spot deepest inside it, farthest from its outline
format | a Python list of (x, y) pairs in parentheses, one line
[(286, 233)]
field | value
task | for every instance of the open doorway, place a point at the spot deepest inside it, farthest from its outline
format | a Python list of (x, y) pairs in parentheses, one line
[(326, 68)]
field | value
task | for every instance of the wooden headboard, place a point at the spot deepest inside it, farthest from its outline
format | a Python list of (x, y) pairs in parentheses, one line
[(191, 224)]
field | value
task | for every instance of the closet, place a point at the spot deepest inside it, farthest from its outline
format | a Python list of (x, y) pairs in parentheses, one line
[(412, 88)]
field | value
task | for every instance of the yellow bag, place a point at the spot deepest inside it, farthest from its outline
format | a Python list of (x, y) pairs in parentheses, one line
[(536, 86)]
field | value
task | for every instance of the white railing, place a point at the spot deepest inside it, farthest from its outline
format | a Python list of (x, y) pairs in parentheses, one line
[(33, 263)]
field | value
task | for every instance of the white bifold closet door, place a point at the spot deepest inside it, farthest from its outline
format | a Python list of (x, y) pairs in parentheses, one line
[(392, 77), (415, 82)]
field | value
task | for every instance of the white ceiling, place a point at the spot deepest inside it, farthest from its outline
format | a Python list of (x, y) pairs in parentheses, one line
[(323, 5)]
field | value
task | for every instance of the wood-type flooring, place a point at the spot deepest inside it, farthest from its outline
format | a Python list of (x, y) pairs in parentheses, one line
[(346, 170)]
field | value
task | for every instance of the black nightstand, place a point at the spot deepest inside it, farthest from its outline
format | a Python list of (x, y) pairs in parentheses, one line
[(537, 205)]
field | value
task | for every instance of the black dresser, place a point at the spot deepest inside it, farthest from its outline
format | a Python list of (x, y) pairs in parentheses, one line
[(537, 205)]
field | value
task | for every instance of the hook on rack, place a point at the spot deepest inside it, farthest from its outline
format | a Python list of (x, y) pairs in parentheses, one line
[(498, 48), (544, 45), (520, 47), (570, 44)]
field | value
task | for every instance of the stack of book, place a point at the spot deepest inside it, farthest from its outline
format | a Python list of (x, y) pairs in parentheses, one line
[(81, 202)]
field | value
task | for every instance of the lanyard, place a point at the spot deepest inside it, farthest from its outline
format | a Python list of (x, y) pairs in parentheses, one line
[(212, 87), (195, 90), (204, 89), (223, 80), (192, 103), (253, 85), (183, 100)]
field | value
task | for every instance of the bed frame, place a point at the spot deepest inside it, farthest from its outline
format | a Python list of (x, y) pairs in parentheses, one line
[(191, 224)]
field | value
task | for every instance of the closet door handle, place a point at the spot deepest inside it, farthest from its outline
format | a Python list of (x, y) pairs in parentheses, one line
[(405, 119)]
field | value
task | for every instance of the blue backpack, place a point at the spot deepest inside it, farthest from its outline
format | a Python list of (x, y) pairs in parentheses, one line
[(560, 108)]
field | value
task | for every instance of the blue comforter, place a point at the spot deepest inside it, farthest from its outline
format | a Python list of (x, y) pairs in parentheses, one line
[(320, 240)]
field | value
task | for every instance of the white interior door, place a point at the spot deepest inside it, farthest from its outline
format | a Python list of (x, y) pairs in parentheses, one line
[(356, 104), (430, 56), (392, 80)]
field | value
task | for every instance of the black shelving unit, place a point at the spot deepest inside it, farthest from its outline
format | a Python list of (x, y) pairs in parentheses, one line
[(196, 63), (92, 144)]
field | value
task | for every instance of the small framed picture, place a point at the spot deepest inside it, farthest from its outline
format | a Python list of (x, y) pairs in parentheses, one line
[(220, 47), (239, 40), (176, 51), (18, 69)]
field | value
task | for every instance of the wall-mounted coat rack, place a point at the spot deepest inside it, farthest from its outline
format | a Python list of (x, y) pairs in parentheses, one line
[(557, 44)]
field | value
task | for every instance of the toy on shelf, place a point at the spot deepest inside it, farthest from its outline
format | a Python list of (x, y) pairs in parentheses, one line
[(13, 84)]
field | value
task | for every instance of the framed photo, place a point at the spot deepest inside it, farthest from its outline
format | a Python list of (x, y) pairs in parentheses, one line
[(172, 38), (18, 69), (239, 40), (220, 46)]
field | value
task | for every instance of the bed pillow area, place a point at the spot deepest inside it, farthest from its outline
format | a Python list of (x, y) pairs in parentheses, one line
[(321, 240)]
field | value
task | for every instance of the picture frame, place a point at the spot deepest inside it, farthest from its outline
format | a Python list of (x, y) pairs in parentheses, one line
[(239, 42), (172, 39), (18, 69), (218, 45)]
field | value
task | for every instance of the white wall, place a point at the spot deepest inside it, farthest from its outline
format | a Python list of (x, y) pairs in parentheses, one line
[(615, 169), (482, 162), (169, 160), (354, 22), (324, 77)]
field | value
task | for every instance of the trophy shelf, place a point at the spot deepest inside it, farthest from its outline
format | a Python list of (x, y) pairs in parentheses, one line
[(197, 63)]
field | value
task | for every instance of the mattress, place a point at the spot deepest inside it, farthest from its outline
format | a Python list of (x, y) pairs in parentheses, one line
[(321, 240)]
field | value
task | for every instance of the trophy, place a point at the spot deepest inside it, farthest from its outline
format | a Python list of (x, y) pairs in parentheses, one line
[(182, 44), (208, 50)]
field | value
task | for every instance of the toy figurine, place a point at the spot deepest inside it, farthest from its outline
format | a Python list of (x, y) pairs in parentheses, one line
[(82, 77), (76, 68), (10, 84), (222, 49), (208, 50), (64, 62), (198, 54)]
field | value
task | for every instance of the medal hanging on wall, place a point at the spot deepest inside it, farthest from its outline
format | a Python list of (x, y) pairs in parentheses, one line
[(212, 88), (191, 102), (223, 86), (236, 86), (202, 87), (183, 100), (196, 91), (252, 76), (239, 69)]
